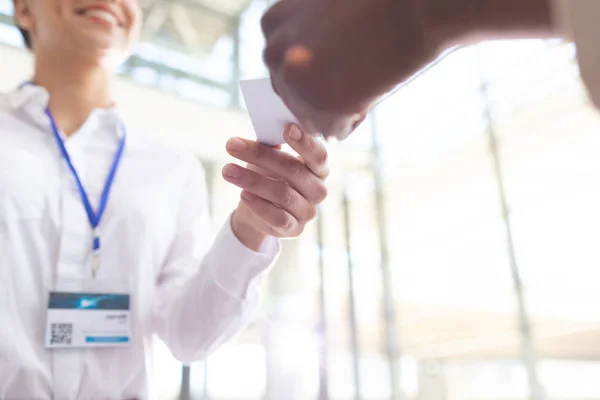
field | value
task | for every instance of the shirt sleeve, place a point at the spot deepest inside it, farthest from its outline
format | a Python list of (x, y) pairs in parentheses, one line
[(578, 20), (208, 289)]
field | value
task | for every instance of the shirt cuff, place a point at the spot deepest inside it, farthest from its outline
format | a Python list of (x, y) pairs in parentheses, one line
[(237, 269), (577, 20)]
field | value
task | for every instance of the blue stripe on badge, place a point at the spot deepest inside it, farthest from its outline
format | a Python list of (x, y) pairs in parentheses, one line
[(88, 301), (107, 339)]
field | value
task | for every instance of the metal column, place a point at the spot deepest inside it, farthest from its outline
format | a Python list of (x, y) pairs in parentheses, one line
[(236, 63), (528, 349), (389, 305), (351, 298), (185, 392), (322, 327), (209, 171)]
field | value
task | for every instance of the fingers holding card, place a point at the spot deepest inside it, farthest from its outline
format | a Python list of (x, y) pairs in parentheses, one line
[(268, 113)]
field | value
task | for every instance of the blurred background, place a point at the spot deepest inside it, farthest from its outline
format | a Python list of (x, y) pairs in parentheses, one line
[(457, 256)]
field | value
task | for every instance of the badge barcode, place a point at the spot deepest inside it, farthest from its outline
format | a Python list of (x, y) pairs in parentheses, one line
[(61, 334)]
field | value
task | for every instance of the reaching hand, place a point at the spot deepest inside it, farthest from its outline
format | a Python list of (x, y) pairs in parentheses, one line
[(330, 60)]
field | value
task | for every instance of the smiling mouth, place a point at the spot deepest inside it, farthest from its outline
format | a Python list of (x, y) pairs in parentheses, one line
[(106, 17)]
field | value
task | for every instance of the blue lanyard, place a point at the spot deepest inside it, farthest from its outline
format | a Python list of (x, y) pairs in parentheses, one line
[(93, 217)]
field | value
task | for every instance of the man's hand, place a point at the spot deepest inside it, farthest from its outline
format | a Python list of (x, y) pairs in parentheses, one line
[(280, 192), (330, 60)]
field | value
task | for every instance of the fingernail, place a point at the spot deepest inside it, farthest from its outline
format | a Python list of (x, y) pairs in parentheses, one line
[(232, 171), (247, 195), (295, 133), (235, 144)]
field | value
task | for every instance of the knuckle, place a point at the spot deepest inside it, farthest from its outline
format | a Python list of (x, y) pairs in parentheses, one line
[(266, 23), (323, 157), (288, 197), (260, 151), (273, 56), (251, 180), (321, 192), (274, 30), (272, 18), (311, 143), (295, 167)]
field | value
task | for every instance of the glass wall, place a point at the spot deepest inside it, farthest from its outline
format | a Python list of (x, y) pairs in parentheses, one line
[(500, 124)]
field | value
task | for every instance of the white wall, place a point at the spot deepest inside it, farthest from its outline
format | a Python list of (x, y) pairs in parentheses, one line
[(169, 118)]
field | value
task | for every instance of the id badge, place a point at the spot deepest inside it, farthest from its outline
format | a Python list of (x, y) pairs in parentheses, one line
[(76, 320)]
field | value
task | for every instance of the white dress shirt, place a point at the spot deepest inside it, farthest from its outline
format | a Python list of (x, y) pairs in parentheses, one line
[(579, 20), (192, 290)]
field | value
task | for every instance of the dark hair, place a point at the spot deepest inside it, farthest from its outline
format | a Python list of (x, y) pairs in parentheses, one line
[(26, 37)]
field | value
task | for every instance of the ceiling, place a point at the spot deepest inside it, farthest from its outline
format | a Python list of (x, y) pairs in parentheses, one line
[(190, 26)]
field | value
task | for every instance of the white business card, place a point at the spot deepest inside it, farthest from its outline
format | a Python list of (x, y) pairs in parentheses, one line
[(268, 113)]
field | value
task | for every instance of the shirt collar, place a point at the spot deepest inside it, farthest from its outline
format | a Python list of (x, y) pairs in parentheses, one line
[(28, 94), (33, 97)]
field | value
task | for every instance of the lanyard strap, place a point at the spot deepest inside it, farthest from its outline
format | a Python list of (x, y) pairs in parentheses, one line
[(93, 217)]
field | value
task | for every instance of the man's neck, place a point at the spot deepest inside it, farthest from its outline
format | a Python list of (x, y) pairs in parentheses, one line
[(76, 87)]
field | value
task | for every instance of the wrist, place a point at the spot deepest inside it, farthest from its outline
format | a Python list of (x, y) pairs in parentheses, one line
[(468, 21), (246, 233)]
